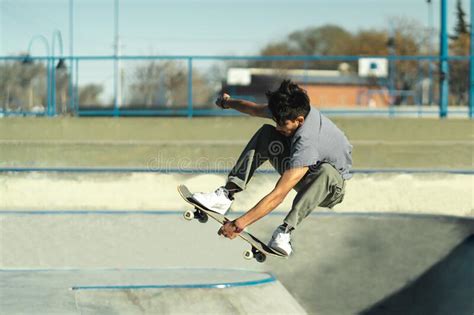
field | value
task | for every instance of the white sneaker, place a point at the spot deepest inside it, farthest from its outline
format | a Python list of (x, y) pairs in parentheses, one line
[(217, 201), (281, 241)]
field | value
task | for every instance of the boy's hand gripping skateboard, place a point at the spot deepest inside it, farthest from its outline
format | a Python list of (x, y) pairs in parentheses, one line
[(259, 250)]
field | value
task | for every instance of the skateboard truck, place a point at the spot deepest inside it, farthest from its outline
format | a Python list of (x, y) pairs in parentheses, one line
[(197, 214), (255, 253)]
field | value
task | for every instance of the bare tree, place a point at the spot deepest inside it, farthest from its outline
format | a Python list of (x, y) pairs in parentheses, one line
[(165, 84), (22, 85)]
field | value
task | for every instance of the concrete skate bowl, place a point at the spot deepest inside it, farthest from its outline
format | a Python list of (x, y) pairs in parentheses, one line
[(343, 263), (446, 288), (382, 264)]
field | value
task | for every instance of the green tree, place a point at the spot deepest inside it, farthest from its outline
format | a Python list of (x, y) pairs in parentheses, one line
[(279, 49), (409, 38), (369, 42), (461, 25), (324, 40)]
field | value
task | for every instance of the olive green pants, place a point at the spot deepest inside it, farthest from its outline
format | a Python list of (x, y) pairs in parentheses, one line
[(322, 185)]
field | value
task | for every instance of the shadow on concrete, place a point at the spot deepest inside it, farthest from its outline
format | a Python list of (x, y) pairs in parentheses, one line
[(445, 288)]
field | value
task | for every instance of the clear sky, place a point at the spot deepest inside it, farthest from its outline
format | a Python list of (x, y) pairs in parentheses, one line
[(194, 27), (189, 27)]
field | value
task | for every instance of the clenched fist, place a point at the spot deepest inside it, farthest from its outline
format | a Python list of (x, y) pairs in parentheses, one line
[(222, 99)]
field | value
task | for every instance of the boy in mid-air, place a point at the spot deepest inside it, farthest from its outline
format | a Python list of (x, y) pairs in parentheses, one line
[(312, 155)]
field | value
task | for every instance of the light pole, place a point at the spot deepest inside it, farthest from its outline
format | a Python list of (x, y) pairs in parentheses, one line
[(48, 65), (117, 65), (71, 53)]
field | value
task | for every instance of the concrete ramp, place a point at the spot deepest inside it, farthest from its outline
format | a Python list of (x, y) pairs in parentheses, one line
[(347, 264), (162, 291), (342, 263)]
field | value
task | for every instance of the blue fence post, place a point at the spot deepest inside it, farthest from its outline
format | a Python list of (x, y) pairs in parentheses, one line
[(116, 85), (117, 61), (53, 86), (48, 86), (190, 87), (431, 49), (444, 66), (471, 62)]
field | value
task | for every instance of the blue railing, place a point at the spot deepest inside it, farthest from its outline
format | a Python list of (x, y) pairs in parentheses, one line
[(191, 109)]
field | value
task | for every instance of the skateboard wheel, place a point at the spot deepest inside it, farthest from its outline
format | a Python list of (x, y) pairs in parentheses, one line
[(188, 215), (260, 257), (248, 254), (203, 218)]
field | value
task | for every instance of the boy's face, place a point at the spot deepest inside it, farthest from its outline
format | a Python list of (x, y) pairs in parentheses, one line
[(288, 128)]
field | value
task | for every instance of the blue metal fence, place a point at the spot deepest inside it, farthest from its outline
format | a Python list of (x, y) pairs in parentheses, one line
[(191, 109)]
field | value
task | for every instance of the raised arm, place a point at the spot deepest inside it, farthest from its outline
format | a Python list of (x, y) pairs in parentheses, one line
[(250, 108)]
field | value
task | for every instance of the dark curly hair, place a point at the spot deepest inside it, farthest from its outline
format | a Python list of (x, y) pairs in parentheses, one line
[(288, 102)]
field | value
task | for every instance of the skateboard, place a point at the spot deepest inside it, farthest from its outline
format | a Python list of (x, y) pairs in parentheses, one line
[(259, 250)]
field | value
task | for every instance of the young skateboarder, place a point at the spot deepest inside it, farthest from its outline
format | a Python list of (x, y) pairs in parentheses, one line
[(312, 155)]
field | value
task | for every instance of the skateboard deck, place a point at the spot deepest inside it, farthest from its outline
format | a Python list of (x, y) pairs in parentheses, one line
[(259, 250)]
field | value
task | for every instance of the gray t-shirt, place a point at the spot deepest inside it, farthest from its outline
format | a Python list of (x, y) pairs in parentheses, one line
[(319, 140)]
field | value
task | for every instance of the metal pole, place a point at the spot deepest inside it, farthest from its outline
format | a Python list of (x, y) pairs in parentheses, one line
[(71, 28), (53, 86), (471, 61), (190, 87), (48, 87), (117, 92), (431, 45), (71, 53), (444, 65)]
